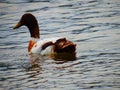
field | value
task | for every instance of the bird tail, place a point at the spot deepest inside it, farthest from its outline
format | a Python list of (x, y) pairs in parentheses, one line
[(63, 45)]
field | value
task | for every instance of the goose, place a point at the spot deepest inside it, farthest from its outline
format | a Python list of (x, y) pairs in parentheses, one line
[(44, 46)]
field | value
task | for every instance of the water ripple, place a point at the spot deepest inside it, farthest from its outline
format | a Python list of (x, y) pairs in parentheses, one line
[(92, 24)]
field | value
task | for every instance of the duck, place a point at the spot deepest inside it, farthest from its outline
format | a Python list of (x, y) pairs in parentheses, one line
[(44, 46)]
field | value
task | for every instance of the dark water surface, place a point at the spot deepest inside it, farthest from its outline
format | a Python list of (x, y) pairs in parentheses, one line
[(94, 25)]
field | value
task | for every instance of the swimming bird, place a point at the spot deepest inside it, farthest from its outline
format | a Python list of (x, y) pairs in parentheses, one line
[(44, 46)]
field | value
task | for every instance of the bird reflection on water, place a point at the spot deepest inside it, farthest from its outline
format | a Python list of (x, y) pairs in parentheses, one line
[(35, 68), (63, 56), (36, 60)]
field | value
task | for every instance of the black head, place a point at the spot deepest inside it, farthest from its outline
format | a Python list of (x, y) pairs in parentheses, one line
[(30, 21)]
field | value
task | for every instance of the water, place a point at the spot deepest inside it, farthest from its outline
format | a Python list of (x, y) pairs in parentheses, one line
[(92, 24)]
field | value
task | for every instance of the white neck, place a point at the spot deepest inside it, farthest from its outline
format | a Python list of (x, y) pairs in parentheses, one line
[(34, 39)]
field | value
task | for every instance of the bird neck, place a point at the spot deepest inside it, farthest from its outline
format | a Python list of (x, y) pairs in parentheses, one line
[(34, 32)]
